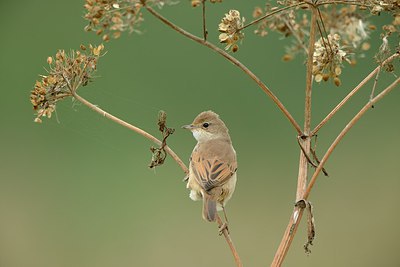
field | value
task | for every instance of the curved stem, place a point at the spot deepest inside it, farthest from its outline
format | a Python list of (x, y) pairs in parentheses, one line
[(133, 128), (231, 59), (344, 132), (352, 93)]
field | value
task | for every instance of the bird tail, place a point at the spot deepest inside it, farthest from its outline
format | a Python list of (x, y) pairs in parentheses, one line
[(209, 208)]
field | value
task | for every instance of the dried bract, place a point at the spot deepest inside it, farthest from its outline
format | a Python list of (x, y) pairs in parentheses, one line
[(66, 73), (230, 30), (158, 153)]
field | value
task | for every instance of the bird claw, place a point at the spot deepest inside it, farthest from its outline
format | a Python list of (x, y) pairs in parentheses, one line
[(222, 228)]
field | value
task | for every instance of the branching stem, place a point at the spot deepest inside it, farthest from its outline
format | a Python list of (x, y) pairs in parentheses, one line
[(352, 93), (133, 128), (231, 59), (353, 121), (297, 214)]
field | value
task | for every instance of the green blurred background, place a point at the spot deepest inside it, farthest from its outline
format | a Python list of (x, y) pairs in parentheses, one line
[(77, 191)]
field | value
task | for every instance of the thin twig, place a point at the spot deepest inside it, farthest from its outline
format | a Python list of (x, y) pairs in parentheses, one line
[(228, 239), (231, 59), (303, 162), (325, 32), (375, 83), (133, 128), (356, 3), (203, 3), (295, 35), (270, 14), (308, 157), (352, 93), (314, 154), (344, 132)]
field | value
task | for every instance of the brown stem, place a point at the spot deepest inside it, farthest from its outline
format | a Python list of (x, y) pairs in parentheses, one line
[(228, 239), (303, 162), (344, 132), (231, 59), (352, 93), (133, 128), (270, 14), (295, 217), (203, 3), (356, 3)]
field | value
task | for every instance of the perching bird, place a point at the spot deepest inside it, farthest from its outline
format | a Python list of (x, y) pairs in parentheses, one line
[(213, 165)]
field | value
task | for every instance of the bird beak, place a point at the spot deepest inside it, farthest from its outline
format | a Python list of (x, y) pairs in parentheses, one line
[(189, 127)]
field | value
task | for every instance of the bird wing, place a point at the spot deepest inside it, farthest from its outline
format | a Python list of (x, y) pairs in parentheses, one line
[(213, 172)]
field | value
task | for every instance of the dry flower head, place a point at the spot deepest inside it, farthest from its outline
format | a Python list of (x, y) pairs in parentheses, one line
[(350, 22), (66, 73), (328, 59), (230, 27), (110, 18)]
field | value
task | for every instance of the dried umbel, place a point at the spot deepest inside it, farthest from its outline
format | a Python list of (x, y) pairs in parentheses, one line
[(109, 18), (66, 73), (230, 30), (196, 3), (328, 59)]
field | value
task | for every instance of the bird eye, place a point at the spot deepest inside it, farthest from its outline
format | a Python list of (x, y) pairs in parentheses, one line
[(206, 124)]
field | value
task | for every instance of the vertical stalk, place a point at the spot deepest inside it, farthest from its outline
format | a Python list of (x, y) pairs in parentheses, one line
[(303, 162)]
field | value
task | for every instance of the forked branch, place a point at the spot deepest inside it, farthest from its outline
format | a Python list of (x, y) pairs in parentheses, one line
[(229, 58), (297, 213), (353, 121), (353, 92)]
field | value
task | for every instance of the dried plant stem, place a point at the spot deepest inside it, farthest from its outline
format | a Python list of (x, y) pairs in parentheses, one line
[(228, 239), (303, 162), (271, 14), (296, 216), (133, 128), (356, 3), (167, 149), (353, 121), (203, 4), (352, 93), (231, 59)]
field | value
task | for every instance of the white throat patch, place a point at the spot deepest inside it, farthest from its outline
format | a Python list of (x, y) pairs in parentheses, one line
[(202, 135)]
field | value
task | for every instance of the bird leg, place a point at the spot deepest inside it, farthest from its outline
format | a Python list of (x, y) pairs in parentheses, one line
[(223, 225)]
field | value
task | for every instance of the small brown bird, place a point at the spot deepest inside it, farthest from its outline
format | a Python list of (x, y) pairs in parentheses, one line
[(212, 169)]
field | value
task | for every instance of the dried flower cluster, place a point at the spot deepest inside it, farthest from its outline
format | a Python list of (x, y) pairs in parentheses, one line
[(196, 3), (377, 6), (230, 30), (110, 17), (67, 72), (328, 58), (347, 24)]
